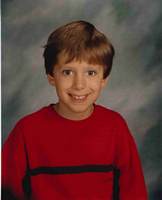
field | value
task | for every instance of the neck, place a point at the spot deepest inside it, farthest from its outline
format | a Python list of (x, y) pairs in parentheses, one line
[(73, 116)]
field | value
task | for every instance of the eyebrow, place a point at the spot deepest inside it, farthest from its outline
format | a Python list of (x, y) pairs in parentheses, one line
[(86, 67), (66, 67)]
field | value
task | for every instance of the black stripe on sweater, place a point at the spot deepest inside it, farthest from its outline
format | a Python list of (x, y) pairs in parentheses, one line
[(71, 169)]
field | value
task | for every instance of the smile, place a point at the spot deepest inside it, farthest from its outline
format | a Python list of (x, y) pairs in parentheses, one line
[(79, 98)]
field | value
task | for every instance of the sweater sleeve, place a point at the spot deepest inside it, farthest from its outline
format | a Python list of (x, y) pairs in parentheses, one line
[(13, 165), (131, 180)]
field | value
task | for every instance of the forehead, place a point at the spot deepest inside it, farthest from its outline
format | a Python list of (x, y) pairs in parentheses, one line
[(64, 61)]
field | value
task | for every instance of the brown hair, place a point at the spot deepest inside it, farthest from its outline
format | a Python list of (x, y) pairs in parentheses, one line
[(78, 40)]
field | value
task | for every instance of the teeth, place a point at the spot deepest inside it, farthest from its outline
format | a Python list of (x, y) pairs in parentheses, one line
[(78, 97)]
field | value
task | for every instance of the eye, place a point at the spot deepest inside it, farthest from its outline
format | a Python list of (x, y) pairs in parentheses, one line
[(91, 73), (67, 72)]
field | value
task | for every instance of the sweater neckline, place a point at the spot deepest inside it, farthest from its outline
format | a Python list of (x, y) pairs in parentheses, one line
[(66, 120)]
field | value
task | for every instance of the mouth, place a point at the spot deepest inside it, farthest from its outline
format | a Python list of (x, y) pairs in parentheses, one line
[(78, 98)]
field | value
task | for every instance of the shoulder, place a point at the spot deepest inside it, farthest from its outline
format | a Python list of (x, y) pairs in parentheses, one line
[(118, 123), (112, 119), (109, 114), (39, 116), (31, 125)]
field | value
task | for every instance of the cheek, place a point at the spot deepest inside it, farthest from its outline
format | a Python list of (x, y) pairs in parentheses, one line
[(64, 83), (96, 85)]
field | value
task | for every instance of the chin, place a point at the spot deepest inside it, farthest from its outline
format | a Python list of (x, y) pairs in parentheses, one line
[(80, 108)]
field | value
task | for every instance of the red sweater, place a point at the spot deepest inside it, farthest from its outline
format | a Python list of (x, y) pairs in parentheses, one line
[(48, 157)]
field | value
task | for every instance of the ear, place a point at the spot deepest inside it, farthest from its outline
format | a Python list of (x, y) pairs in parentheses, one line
[(51, 79), (104, 82)]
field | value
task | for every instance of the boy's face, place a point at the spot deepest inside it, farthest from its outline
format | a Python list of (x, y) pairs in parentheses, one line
[(78, 85)]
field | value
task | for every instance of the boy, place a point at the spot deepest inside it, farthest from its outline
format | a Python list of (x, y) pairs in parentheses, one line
[(74, 149)]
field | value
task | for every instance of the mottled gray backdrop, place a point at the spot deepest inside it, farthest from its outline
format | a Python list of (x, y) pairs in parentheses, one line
[(135, 29)]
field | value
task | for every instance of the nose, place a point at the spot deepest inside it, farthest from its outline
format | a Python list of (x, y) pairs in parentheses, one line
[(79, 82)]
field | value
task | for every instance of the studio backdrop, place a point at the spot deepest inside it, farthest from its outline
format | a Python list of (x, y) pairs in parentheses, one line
[(135, 30)]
